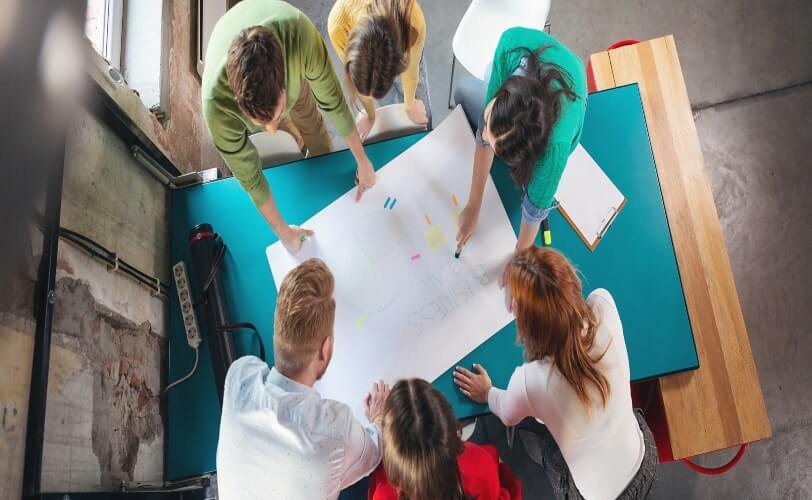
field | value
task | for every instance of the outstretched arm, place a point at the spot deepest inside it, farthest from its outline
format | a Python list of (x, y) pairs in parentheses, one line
[(483, 160), (230, 137)]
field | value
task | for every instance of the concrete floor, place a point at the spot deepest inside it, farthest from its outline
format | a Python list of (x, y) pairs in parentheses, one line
[(757, 143)]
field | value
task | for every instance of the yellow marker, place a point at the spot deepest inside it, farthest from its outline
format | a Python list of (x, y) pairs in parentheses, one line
[(426, 217), (545, 231)]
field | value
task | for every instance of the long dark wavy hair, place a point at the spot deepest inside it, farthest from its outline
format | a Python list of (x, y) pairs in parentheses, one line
[(525, 110)]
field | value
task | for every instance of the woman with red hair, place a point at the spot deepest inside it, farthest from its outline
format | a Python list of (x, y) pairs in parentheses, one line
[(575, 381)]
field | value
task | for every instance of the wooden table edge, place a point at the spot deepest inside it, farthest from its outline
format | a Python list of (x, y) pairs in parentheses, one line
[(719, 405)]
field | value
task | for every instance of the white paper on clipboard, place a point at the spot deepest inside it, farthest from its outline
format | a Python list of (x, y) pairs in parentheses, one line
[(588, 198)]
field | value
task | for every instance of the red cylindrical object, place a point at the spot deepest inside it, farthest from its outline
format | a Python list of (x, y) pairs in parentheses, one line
[(715, 471)]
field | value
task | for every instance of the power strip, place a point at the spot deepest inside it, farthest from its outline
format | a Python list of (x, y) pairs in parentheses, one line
[(186, 304)]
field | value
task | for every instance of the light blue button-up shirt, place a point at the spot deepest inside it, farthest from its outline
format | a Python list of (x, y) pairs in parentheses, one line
[(280, 440)]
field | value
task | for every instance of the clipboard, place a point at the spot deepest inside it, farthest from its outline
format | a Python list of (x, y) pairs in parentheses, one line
[(587, 198)]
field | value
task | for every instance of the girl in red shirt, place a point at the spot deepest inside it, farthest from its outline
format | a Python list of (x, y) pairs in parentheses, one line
[(424, 457)]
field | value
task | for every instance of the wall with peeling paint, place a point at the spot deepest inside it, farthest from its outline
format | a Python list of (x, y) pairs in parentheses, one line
[(104, 423), (103, 420)]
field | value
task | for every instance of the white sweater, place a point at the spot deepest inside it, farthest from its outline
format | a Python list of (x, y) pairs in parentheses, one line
[(604, 450)]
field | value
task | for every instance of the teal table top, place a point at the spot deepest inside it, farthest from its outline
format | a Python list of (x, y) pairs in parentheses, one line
[(635, 261)]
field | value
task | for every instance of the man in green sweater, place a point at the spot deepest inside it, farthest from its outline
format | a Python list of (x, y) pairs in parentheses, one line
[(267, 67)]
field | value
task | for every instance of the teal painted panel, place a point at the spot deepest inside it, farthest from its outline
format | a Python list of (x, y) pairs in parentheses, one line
[(635, 262)]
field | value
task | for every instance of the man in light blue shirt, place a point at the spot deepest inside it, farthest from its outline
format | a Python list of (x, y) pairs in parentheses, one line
[(278, 438)]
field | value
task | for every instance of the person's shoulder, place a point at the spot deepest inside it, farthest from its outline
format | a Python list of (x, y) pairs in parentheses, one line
[(418, 19), (246, 367), (243, 374), (600, 297), (536, 375), (567, 60), (331, 418), (605, 308)]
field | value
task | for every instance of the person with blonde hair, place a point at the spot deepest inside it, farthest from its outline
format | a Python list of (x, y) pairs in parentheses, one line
[(425, 458), (278, 437), (377, 40), (575, 381)]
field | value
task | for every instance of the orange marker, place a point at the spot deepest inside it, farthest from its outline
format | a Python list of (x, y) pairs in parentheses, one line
[(454, 200), (426, 217)]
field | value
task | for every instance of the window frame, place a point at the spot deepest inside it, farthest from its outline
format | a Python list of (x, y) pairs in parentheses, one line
[(113, 32)]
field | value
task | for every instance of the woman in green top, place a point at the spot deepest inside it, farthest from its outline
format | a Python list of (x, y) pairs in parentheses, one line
[(530, 115)]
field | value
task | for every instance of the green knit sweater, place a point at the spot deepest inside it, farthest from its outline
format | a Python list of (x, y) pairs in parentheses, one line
[(566, 132), (306, 59)]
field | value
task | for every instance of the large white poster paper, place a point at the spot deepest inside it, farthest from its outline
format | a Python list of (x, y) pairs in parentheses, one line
[(405, 307)]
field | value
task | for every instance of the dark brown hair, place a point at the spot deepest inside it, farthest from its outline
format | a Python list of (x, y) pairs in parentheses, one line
[(378, 47), (256, 72), (304, 317), (525, 110), (421, 443), (553, 319)]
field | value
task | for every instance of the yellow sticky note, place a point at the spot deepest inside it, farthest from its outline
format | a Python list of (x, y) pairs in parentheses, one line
[(435, 237)]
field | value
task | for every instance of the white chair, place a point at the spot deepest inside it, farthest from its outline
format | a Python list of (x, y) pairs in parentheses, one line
[(391, 121), (483, 24), (275, 149)]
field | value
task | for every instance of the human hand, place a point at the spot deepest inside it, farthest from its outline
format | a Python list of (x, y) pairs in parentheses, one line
[(364, 177), (363, 123), (375, 401), (469, 217), (417, 113), (293, 238), (474, 385)]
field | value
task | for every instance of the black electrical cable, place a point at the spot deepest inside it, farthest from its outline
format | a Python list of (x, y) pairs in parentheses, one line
[(97, 250), (219, 254), (110, 258), (244, 326), (220, 249)]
